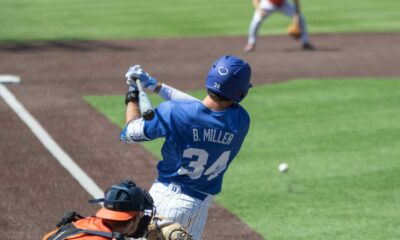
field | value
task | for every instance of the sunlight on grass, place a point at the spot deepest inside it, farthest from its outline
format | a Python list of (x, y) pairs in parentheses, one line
[(341, 141)]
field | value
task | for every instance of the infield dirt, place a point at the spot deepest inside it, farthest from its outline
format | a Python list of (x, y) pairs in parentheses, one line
[(36, 190)]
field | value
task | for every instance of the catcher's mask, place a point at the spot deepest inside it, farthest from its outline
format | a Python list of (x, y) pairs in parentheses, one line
[(124, 201), (229, 77)]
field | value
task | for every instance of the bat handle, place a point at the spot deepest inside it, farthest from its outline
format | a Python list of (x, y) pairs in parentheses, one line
[(146, 108), (139, 84)]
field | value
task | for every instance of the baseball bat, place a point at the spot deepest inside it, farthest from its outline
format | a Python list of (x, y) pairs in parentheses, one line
[(146, 108)]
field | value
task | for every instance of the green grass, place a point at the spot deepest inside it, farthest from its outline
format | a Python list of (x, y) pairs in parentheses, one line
[(25, 20), (341, 141)]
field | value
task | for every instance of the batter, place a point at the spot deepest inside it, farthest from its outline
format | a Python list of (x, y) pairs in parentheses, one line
[(201, 139)]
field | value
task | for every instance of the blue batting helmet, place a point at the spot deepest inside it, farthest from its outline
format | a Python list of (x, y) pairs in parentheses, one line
[(229, 77)]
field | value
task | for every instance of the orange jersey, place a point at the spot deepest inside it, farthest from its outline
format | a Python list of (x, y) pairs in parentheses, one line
[(90, 223), (277, 2)]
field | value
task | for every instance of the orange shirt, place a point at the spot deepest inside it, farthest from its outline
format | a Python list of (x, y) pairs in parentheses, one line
[(90, 223), (277, 2)]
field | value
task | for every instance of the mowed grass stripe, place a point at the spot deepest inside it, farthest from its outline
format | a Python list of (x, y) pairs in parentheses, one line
[(341, 141), (24, 20), (339, 137)]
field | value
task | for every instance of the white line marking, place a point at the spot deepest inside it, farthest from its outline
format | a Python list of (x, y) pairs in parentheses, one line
[(10, 79), (62, 157)]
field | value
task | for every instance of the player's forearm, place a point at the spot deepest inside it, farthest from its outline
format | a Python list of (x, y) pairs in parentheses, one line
[(132, 112), (170, 93), (133, 131), (134, 124)]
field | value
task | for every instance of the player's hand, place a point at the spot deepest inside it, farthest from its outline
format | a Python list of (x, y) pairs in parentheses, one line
[(130, 80), (136, 72)]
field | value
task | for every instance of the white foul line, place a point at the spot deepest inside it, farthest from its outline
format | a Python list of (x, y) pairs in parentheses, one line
[(62, 157)]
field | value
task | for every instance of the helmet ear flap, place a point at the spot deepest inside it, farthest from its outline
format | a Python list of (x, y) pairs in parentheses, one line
[(243, 94), (143, 226)]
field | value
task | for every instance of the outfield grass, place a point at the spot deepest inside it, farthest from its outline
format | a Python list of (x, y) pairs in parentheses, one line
[(341, 141), (24, 20)]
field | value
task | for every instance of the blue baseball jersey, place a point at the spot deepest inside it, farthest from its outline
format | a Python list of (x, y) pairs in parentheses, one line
[(199, 143)]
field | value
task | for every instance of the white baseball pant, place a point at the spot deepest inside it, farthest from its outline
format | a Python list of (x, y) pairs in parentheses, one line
[(191, 212), (287, 9)]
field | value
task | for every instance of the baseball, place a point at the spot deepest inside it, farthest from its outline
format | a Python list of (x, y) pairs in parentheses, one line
[(283, 167)]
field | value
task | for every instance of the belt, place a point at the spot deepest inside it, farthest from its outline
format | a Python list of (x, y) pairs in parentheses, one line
[(184, 189)]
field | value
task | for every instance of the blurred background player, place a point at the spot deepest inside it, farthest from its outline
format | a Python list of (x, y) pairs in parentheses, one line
[(128, 212), (201, 138), (264, 8)]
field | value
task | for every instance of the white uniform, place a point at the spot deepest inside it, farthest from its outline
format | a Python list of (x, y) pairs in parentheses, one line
[(190, 212), (286, 8)]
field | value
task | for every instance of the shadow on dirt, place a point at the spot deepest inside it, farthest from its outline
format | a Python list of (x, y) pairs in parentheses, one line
[(68, 46), (317, 49)]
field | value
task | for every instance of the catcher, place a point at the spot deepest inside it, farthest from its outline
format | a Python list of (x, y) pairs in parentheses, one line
[(128, 212), (264, 8)]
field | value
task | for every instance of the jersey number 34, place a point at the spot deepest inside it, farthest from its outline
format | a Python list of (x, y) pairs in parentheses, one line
[(197, 165)]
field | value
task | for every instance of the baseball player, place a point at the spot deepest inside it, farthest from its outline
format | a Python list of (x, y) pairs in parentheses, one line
[(264, 8), (128, 212), (202, 137)]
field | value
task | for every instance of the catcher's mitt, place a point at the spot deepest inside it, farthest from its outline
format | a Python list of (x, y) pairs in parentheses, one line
[(294, 29), (164, 229)]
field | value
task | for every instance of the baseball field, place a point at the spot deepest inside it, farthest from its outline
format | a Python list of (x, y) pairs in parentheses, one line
[(331, 114)]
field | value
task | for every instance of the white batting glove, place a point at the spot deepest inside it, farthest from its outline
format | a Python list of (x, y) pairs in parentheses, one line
[(129, 78), (136, 72)]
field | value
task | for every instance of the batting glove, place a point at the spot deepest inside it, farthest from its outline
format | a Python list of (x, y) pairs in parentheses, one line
[(129, 79), (145, 78)]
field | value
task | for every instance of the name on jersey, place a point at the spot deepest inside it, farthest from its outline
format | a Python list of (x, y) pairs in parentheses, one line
[(212, 135)]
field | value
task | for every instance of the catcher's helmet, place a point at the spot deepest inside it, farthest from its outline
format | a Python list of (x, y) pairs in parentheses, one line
[(123, 201), (229, 77)]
